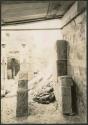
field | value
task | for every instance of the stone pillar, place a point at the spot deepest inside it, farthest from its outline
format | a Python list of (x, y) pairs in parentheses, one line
[(61, 69), (65, 94), (22, 92), (61, 58), (22, 95)]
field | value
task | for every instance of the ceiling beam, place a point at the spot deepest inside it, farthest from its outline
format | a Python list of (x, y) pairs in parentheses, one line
[(29, 21)]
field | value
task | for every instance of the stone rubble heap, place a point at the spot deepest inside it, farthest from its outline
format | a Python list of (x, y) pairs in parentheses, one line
[(45, 95)]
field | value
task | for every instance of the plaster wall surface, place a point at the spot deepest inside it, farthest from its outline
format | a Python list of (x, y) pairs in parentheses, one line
[(75, 34), (39, 53)]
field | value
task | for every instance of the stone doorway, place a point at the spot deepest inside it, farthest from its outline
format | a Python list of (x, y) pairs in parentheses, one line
[(13, 67)]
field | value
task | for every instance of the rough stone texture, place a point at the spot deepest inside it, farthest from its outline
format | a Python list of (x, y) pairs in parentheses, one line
[(22, 99), (66, 83), (75, 34), (61, 62), (23, 84), (62, 57), (22, 104), (74, 10), (61, 50), (45, 95), (61, 67)]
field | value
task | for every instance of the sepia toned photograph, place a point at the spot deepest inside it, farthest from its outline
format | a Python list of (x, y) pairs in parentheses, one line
[(43, 62)]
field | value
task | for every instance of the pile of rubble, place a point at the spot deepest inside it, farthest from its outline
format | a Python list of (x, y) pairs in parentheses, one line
[(45, 95)]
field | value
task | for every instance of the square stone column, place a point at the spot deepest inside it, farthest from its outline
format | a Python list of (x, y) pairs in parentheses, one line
[(22, 95)]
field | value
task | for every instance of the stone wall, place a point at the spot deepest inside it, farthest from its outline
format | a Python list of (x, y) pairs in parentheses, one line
[(75, 34), (39, 51)]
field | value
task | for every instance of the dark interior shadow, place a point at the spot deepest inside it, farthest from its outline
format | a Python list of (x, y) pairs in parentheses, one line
[(13, 65), (74, 98)]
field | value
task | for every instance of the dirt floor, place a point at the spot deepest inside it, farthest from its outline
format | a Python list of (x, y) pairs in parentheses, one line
[(38, 113)]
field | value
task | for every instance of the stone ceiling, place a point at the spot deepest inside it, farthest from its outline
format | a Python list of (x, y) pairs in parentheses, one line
[(20, 11)]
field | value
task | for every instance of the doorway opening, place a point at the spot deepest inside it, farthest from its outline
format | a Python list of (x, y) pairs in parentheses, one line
[(13, 67)]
